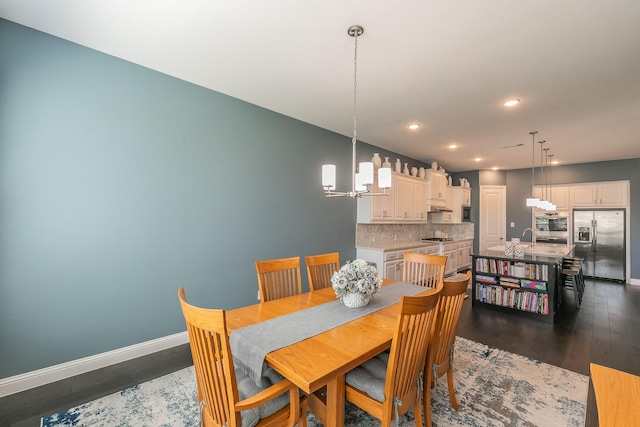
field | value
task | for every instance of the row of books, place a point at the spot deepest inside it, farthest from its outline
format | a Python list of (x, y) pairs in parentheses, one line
[(534, 302), (512, 282), (510, 268)]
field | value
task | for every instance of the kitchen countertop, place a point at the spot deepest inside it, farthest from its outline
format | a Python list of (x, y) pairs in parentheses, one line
[(539, 258), (411, 244), (548, 249)]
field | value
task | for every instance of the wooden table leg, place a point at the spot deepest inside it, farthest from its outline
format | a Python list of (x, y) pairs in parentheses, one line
[(335, 402)]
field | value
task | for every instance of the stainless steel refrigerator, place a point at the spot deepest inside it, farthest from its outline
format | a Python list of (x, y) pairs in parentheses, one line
[(599, 236)]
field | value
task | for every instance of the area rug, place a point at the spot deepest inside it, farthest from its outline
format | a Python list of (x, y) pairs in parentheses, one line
[(493, 387)]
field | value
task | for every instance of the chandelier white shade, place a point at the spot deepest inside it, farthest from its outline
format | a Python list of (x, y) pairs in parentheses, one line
[(361, 179)]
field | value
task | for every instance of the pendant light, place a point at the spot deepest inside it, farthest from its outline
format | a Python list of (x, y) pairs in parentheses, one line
[(549, 158), (533, 201), (544, 203), (361, 179)]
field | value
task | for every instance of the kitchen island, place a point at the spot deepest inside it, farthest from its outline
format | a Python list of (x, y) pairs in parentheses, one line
[(527, 286), (544, 249)]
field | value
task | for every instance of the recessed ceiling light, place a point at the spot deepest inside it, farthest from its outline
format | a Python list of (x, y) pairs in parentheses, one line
[(495, 168), (453, 146), (414, 126), (511, 102), (554, 162), (477, 159)]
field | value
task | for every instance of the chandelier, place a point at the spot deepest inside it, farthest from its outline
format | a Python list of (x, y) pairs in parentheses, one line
[(361, 178)]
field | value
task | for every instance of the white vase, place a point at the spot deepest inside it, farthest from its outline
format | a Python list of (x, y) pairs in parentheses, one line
[(518, 251), (355, 300), (398, 166), (508, 249), (386, 163), (376, 160), (406, 169)]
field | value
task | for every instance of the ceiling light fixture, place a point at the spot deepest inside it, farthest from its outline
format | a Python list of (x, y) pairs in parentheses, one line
[(533, 201), (511, 102), (477, 159), (552, 206), (414, 126), (453, 146), (360, 180), (544, 203)]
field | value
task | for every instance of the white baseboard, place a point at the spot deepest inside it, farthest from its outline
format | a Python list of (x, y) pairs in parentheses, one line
[(54, 373), (635, 282)]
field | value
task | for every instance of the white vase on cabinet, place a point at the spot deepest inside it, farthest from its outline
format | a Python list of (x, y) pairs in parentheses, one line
[(376, 160)]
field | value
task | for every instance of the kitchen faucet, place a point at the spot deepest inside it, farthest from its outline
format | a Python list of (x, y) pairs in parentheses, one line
[(531, 230)]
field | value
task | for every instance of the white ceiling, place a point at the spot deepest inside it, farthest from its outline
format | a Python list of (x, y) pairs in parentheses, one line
[(574, 64)]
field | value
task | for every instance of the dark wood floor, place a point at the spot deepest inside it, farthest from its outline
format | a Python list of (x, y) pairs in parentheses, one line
[(606, 330)]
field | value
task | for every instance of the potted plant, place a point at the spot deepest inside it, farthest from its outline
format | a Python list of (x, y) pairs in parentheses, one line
[(356, 283)]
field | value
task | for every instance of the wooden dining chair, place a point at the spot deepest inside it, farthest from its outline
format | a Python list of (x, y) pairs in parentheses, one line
[(423, 269), (390, 384), (320, 268), (278, 278), (228, 397), (448, 312)]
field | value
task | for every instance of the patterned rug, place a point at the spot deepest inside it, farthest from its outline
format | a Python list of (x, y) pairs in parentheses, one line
[(493, 387)]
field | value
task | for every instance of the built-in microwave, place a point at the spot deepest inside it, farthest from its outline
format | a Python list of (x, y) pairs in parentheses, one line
[(552, 223), (466, 214)]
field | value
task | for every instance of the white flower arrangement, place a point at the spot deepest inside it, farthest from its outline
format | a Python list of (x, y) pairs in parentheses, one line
[(356, 277)]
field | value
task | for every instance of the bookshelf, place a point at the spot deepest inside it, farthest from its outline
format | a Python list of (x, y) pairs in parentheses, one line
[(525, 286)]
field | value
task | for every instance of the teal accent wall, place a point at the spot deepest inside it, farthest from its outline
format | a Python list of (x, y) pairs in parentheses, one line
[(118, 184)]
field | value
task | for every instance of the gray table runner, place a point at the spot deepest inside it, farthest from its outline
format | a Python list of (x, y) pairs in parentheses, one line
[(250, 345)]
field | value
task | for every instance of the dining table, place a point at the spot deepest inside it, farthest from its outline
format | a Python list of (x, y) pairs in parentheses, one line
[(318, 364)]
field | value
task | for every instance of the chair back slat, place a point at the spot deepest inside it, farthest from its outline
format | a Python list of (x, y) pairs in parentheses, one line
[(320, 269), (410, 343), (212, 363), (449, 310), (278, 278), (423, 269)]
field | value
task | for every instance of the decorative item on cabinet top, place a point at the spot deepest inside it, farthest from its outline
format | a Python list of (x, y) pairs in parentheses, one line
[(376, 160)]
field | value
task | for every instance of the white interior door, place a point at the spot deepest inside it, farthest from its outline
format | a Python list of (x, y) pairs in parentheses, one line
[(493, 215)]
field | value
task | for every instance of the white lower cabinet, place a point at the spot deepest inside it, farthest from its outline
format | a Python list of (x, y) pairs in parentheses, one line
[(450, 250), (393, 270), (464, 254), (390, 262)]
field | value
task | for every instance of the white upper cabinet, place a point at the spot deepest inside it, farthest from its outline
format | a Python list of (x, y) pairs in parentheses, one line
[(559, 196), (403, 198), (420, 201), (466, 195), (377, 208), (604, 194), (405, 203), (437, 185)]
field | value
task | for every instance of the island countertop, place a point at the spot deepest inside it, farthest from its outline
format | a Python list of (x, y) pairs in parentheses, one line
[(545, 249)]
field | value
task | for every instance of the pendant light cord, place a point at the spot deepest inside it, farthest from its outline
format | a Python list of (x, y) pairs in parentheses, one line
[(354, 31), (533, 161), (355, 86)]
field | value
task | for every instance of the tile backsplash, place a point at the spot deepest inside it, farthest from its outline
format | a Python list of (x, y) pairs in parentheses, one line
[(376, 234)]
